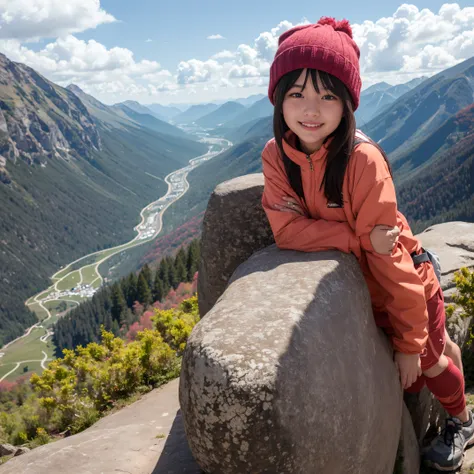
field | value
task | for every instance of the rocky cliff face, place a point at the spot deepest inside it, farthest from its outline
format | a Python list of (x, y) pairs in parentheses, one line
[(40, 120)]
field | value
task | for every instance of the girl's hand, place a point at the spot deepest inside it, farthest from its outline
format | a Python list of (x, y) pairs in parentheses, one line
[(384, 238), (409, 368), (289, 204)]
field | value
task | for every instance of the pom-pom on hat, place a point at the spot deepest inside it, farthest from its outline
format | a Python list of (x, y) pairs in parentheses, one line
[(327, 46)]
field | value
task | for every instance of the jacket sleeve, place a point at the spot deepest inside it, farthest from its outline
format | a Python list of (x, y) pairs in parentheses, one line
[(374, 202), (293, 231)]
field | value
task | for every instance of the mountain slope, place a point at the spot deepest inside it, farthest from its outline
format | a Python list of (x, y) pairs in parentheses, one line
[(253, 129), (249, 101), (137, 107), (424, 109), (151, 122), (164, 112), (194, 113), (428, 151), (261, 108), (223, 114), (443, 190), (70, 183), (377, 98), (39, 120), (243, 158)]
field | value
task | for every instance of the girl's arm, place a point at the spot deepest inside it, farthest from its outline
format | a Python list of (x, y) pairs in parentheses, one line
[(374, 203), (293, 231)]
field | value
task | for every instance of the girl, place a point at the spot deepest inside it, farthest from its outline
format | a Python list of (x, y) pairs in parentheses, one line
[(325, 190)]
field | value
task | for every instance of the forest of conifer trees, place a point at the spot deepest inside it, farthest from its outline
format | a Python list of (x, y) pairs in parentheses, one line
[(113, 305)]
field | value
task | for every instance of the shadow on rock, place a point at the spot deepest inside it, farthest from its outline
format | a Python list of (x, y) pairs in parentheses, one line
[(176, 457)]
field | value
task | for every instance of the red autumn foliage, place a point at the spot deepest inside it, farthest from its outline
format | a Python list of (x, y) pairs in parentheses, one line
[(6, 386), (144, 323), (138, 308)]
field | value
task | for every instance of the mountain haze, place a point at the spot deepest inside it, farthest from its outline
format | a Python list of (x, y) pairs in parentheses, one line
[(225, 113), (150, 121), (164, 112), (194, 113)]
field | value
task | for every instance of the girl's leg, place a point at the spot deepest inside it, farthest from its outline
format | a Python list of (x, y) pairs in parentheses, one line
[(443, 377), (453, 351), (446, 382)]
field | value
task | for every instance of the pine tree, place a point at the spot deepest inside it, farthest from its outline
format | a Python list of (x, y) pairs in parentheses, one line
[(193, 258), (143, 291), (132, 289), (180, 257), (119, 304), (172, 276), (115, 328), (146, 272), (158, 288), (181, 271), (163, 272)]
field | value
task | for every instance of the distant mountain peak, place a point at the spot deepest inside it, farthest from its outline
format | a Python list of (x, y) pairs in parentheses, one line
[(75, 88)]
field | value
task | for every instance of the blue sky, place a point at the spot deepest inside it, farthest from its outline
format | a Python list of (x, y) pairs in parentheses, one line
[(179, 28), (155, 51)]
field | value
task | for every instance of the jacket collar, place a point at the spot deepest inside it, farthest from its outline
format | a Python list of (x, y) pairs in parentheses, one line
[(289, 143)]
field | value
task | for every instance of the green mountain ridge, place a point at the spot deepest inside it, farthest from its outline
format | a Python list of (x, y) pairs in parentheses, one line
[(424, 109), (73, 179)]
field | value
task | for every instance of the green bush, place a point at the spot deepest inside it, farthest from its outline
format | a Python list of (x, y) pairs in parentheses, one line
[(77, 389), (464, 297)]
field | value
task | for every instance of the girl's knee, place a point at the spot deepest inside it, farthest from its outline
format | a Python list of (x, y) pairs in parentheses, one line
[(438, 368), (451, 347)]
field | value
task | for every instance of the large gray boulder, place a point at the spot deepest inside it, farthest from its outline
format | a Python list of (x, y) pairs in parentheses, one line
[(234, 227), (454, 243), (287, 373)]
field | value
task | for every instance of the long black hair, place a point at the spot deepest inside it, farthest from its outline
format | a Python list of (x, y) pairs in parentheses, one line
[(339, 150)]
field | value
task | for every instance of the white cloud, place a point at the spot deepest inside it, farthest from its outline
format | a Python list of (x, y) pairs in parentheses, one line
[(409, 43), (194, 70), (215, 37), (416, 41), (71, 57), (223, 55), (34, 19), (244, 71)]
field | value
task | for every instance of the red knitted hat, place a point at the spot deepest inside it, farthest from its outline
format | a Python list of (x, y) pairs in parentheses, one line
[(327, 46)]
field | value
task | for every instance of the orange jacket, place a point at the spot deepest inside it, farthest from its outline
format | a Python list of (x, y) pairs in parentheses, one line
[(395, 286)]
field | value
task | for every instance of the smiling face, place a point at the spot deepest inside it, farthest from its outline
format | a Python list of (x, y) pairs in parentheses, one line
[(312, 113)]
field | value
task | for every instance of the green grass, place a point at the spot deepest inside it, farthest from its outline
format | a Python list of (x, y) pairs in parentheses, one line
[(70, 281), (39, 311), (46, 293), (62, 273), (32, 368), (89, 274), (27, 348), (96, 283)]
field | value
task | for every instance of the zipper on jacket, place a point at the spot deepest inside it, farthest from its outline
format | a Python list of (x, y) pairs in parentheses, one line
[(308, 157)]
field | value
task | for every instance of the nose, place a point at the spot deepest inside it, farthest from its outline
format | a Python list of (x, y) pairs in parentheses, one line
[(312, 108)]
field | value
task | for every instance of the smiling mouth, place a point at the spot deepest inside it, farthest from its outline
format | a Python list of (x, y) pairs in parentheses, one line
[(311, 126)]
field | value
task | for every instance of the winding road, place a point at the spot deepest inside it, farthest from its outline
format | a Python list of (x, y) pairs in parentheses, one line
[(177, 187)]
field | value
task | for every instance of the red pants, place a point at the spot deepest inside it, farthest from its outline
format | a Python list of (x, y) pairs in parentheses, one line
[(436, 329)]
